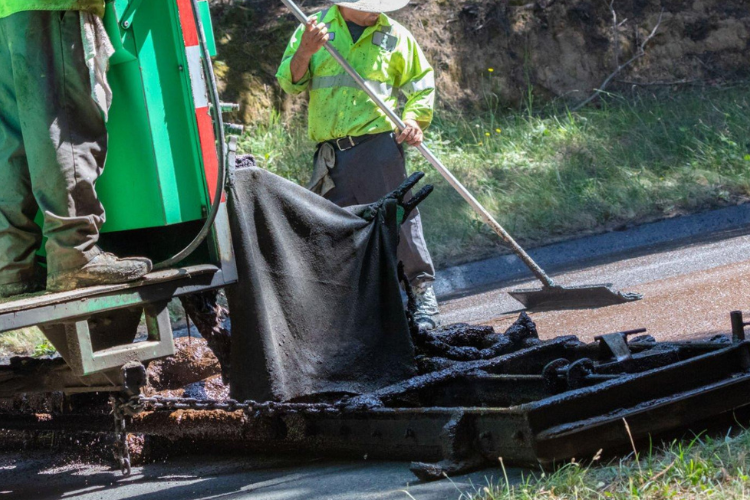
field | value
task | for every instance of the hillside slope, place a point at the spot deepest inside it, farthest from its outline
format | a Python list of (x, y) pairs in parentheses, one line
[(553, 48)]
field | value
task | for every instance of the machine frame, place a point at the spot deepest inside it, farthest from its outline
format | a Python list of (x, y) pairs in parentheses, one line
[(94, 328)]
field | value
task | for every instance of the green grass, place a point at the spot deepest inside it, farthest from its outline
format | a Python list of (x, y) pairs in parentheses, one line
[(25, 342), (549, 174), (702, 468)]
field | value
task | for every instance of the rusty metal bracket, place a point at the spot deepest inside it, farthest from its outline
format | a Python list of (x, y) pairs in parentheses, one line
[(458, 448), (738, 326), (616, 344)]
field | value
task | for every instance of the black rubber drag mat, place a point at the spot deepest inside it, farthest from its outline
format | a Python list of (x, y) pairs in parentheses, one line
[(318, 306)]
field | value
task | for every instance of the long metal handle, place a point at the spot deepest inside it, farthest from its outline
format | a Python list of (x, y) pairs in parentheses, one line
[(434, 161)]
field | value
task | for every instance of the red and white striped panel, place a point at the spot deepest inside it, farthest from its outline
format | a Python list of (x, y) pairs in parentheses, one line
[(200, 96)]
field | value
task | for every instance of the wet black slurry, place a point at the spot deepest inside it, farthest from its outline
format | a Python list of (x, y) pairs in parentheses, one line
[(427, 364), (526, 342), (462, 342), (208, 315), (462, 334)]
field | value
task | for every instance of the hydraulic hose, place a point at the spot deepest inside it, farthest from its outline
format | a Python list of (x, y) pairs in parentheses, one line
[(213, 92)]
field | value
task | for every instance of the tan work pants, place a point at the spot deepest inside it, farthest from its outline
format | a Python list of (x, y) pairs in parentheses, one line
[(53, 143)]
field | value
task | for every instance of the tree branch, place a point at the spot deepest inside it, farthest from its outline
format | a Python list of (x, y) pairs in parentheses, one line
[(640, 52), (615, 33)]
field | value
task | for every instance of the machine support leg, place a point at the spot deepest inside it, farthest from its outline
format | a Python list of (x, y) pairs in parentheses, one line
[(460, 455), (738, 326), (84, 360)]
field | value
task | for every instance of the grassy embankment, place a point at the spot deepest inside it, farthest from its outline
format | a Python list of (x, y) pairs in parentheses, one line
[(551, 174), (701, 468), (27, 341)]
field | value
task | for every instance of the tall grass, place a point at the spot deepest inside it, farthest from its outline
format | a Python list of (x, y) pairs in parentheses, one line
[(701, 468), (25, 342), (550, 173)]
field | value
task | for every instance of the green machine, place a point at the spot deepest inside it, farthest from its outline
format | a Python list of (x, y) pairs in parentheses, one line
[(155, 173), (162, 189), (163, 165)]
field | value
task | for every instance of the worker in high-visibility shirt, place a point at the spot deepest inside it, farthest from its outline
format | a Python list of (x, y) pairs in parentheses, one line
[(360, 155), (54, 99)]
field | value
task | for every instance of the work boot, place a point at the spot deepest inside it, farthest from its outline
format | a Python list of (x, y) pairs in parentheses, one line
[(30, 285), (20, 288), (104, 269), (425, 311)]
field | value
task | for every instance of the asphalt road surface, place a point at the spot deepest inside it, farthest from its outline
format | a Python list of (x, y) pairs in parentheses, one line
[(689, 287), (37, 476)]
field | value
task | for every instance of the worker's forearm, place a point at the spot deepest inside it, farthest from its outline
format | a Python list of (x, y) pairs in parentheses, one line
[(299, 65)]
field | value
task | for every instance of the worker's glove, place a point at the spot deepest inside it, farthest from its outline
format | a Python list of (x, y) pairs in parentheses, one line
[(415, 200), (404, 208)]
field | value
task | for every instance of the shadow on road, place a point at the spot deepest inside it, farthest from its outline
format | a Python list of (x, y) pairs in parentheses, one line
[(40, 475)]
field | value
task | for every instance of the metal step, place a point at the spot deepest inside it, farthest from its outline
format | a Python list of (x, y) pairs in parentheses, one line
[(94, 329), (44, 308)]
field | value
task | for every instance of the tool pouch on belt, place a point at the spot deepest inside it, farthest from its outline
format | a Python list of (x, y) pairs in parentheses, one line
[(325, 159)]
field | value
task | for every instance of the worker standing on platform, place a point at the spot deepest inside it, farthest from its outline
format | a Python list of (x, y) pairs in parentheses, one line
[(360, 155), (54, 100)]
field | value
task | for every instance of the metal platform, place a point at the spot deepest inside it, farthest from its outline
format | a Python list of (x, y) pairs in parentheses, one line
[(43, 308), (93, 330)]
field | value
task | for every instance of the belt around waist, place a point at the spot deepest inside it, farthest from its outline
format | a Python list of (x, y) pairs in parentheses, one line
[(349, 142)]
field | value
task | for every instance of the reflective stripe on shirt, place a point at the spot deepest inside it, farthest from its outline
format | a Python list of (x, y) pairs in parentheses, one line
[(345, 80), (428, 82)]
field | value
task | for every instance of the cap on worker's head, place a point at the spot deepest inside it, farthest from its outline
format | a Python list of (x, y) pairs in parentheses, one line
[(373, 5)]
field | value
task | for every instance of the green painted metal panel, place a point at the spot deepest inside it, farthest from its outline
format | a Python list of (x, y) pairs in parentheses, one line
[(131, 169), (154, 171), (205, 11)]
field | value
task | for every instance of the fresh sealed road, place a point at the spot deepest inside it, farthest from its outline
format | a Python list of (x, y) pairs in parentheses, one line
[(694, 305), (690, 285), (689, 288)]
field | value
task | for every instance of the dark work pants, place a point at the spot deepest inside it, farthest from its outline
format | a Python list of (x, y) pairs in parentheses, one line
[(53, 144), (366, 173)]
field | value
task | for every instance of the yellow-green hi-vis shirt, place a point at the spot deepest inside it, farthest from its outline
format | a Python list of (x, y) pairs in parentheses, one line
[(386, 56), (8, 7)]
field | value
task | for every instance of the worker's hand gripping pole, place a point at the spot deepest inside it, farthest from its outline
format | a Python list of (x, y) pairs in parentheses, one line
[(434, 161)]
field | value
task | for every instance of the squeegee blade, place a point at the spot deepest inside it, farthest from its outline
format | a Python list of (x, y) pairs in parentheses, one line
[(578, 297)]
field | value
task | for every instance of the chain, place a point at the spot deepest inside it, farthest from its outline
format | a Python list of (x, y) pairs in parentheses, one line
[(138, 404), (121, 449), (130, 407)]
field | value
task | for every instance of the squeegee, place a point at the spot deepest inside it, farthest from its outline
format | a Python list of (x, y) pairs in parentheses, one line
[(550, 295)]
